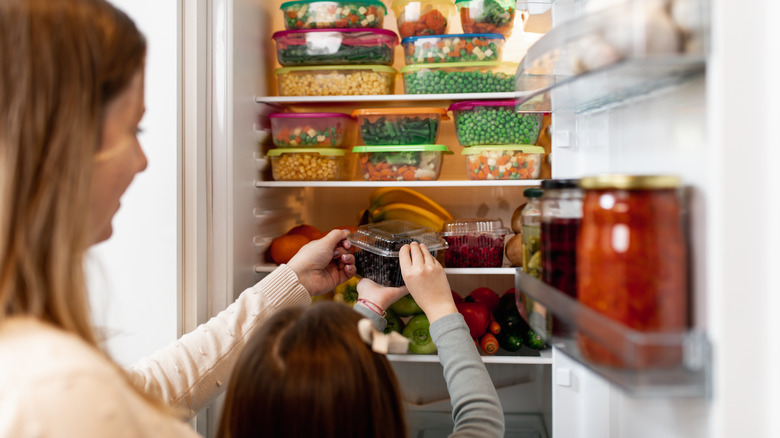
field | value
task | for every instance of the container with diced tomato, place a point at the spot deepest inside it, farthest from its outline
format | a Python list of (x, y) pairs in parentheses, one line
[(462, 47), (330, 130), (319, 14), (487, 16), (423, 17), (420, 162), (501, 162)]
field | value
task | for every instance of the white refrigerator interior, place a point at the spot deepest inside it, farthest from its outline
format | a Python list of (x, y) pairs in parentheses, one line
[(712, 128)]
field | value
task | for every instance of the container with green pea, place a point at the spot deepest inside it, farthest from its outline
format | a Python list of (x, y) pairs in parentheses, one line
[(459, 77), (491, 122)]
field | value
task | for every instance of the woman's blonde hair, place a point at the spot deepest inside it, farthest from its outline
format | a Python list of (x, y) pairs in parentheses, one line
[(306, 372)]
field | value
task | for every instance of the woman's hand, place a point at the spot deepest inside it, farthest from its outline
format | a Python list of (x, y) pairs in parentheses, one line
[(325, 263), (426, 281), (380, 295)]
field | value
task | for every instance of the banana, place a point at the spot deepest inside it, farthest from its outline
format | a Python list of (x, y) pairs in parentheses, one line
[(393, 195), (408, 212)]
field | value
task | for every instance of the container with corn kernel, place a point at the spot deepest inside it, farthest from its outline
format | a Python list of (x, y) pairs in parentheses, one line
[(309, 164), (336, 80)]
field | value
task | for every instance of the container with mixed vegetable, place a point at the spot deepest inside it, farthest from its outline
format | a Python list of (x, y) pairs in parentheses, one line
[(452, 48), (319, 14), (422, 17), (487, 16), (401, 163)]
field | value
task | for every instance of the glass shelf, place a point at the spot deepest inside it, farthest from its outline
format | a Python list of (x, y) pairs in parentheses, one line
[(438, 183), (614, 55), (690, 377)]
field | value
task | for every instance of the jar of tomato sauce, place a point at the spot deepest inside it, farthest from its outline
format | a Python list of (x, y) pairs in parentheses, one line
[(632, 264)]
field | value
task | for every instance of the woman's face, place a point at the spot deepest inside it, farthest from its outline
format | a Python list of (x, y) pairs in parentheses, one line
[(119, 158)]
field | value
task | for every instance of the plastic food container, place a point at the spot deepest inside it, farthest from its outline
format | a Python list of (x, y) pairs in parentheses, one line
[(494, 122), (423, 17), (503, 161), (335, 46), (336, 80), (377, 245), (317, 14), (399, 126), (459, 77), (474, 243), (308, 164), (464, 47), (420, 162), (489, 16), (330, 130)]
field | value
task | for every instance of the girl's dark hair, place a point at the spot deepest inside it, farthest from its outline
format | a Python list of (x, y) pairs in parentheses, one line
[(307, 373)]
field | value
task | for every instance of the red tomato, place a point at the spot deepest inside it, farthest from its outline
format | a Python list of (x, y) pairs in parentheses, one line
[(486, 296), (456, 297), (477, 317)]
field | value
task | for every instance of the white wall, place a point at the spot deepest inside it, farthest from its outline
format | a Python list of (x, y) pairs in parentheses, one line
[(133, 275)]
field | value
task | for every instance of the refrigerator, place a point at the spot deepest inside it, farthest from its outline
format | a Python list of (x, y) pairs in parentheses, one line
[(704, 114)]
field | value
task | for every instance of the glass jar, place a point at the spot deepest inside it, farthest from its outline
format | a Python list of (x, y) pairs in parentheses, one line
[(537, 316), (560, 223), (632, 264)]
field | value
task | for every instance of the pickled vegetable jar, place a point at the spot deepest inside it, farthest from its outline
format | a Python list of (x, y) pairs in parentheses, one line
[(632, 263), (560, 221), (539, 319)]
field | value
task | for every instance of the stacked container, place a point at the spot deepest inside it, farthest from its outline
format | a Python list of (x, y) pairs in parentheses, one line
[(335, 48)]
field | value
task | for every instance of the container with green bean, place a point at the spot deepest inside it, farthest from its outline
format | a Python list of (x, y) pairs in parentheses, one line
[(399, 126), (491, 122)]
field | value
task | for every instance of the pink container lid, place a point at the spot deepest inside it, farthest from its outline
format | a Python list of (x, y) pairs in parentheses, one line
[(386, 32), (470, 104), (307, 115)]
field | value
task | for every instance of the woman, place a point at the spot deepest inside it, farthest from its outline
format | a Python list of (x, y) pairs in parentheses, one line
[(71, 99), (311, 373)]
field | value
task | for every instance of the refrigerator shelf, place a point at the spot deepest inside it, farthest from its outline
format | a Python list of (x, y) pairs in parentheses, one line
[(691, 378), (262, 243), (525, 356), (612, 56), (438, 183), (387, 98)]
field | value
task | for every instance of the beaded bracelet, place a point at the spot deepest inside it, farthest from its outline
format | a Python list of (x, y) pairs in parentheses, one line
[(373, 306)]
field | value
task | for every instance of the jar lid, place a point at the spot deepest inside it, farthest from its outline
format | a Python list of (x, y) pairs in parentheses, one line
[(460, 227), (560, 184), (533, 192), (630, 182), (320, 151)]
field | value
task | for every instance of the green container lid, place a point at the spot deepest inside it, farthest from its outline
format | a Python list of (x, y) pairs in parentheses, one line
[(524, 148), (321, 151), (479, 64), (376, 68), (402, 148), (376, 3)]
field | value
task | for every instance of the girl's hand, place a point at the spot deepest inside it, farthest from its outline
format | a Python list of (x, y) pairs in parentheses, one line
[(380, 295), (426, 280), (325, 263)]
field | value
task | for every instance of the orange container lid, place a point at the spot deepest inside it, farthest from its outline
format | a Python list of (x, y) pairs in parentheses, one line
[(400, 111)]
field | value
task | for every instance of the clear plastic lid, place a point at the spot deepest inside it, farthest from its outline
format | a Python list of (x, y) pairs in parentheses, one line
[(492, 36), (387, 237), (400, 111), (475, 64), (522, 148), (319, 151), (401, 148), (459, 227), (376, 68), (307, 115), (295, 32)]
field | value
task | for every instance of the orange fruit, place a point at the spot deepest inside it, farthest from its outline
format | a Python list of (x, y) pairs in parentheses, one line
[(283, 248), (309, 231)]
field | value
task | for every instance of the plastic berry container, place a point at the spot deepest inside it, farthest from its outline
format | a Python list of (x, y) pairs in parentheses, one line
[(335, 46), (336, 80), (318, 14), (423, 17), (463, 47), (480, 122), (490, 162), (399, 126), (307, 130), (487, 16), (377, 245), (459, 77), (309, 164), (474, 243), (420, 162)]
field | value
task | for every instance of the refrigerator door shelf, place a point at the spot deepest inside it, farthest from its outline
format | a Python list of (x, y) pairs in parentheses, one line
[(690, 378)]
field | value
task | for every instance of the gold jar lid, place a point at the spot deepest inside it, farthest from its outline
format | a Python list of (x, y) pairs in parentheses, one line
[(630, 182)]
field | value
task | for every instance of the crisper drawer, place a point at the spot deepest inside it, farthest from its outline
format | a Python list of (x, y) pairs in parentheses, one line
[(440, 424)]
